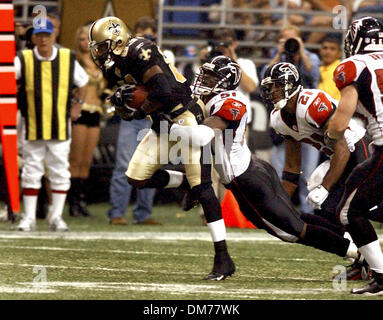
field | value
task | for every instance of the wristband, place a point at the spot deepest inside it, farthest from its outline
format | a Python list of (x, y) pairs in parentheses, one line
[(291, 177)]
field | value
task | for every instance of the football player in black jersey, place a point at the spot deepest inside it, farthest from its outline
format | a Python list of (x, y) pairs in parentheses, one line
[(127, 60)]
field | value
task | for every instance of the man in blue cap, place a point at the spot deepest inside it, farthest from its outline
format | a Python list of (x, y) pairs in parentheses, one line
[(46, 77)]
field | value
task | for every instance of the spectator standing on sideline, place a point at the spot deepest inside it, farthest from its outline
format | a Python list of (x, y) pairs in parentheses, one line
[(120, 190), (86, 129), (46, 76), (291, 49), (330, 53)]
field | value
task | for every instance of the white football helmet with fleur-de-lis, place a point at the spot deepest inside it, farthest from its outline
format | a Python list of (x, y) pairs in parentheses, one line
[(107, 38)]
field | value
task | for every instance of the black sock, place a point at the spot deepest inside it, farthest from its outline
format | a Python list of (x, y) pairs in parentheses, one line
[(74, 191), (204, 193), (220, 246), (323, 222), (325, 239), (82, 189)]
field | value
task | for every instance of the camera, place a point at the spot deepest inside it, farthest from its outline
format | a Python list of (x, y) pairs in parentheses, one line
[(291, 48), (215, 48)]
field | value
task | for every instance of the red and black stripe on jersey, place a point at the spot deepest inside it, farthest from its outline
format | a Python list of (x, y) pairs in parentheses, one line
[(363, 86)]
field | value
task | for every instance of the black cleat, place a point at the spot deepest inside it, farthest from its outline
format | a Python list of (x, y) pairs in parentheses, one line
[(188, 202), (223, 267), (358, 270), (373, 288), (74, 210)]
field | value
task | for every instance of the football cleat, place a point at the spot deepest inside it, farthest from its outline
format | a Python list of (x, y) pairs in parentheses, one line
[(188, 202), (373, 288), (27, 224), (223, 267), (358, 270), (58, 224)]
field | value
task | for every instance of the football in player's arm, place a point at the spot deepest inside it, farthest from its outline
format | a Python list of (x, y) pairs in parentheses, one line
[(126, 60)]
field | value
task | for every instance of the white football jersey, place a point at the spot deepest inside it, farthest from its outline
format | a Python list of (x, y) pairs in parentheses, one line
[(365, 72), (231, 153), (314, 108)]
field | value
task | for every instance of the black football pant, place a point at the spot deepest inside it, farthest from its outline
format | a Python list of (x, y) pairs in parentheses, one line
[(264, 201), (363, 190)]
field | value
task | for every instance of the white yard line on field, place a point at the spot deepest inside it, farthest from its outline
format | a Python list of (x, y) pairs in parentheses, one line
[(151, 253), (134, 236), (149, 271), (177, 289)]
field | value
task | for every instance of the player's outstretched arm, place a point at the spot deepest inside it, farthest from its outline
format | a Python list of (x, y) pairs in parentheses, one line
[(201, 135), (292, 168), (344, 112)]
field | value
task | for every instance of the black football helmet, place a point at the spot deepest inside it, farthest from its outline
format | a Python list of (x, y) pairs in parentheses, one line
[(280, 83), (219, 74), (364, 35)]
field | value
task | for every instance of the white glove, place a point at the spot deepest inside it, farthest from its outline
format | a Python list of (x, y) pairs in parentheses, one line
[(371, 148), (353, 134), (316, 197), (350, 139)]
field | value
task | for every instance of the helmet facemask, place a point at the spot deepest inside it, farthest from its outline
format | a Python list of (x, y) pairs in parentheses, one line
[(208, 82), (278, 92), (102, 53), (213, 78), (108, 38)]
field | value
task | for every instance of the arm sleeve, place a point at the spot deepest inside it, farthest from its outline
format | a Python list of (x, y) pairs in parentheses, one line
[(319, 111), (231, 110), (345, 74)]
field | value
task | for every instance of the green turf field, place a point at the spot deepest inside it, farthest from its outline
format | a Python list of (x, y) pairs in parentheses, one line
[(98, 261)]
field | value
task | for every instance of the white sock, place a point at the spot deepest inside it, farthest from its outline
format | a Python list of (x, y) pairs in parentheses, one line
[(373, 255), (30, 205), (217, 230), (176, 178), (352, 251), (58, 202)]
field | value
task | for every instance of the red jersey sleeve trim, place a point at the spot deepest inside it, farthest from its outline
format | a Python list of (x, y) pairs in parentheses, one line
[(345, 74), (320, 110), (232, 110)]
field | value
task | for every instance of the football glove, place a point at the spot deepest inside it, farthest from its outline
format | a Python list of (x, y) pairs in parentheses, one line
[(123, 95), (125, 112), (316, 197)]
